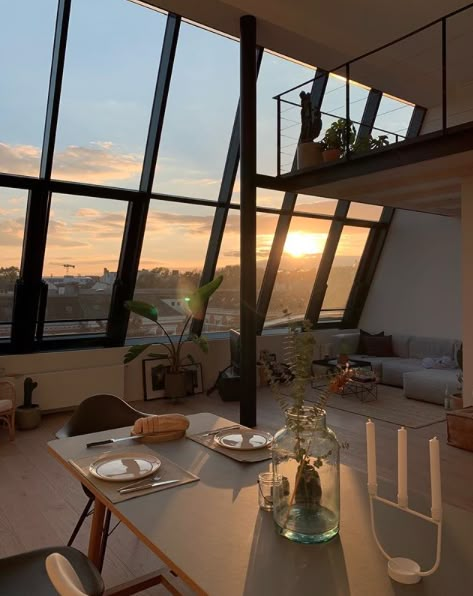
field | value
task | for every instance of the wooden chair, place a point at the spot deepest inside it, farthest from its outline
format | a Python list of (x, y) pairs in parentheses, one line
[(8, 405)]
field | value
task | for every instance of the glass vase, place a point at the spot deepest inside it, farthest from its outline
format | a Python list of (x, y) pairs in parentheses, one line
[(306, 453)]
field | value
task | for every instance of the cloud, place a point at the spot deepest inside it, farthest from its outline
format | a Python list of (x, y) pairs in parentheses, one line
[(179, 222), (98, 163)]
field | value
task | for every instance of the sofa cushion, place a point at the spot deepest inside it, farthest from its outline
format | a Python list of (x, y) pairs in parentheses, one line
[(401, 345), (422, 347), (394, 369), (345, 343), (364, 337), (378, 346), (430, 385)]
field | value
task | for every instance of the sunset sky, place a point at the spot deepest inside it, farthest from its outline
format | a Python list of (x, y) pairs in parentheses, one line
[(111, 65)]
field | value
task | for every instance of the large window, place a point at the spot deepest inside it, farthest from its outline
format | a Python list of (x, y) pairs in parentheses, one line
[(201, 109), (112, 61), (345, 265), (80, 265), (171, 263), (299, 264), (12, 223), (26, 40)]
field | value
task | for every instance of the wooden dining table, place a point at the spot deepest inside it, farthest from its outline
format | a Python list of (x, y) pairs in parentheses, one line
[(212, 535)]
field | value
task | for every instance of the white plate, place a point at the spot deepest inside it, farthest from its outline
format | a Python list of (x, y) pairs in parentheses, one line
[(243, 439), (121, 467)]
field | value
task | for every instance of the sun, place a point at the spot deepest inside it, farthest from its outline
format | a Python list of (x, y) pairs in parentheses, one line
[(299, 244)]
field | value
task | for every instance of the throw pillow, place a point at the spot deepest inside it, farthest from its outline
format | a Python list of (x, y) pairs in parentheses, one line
[(363, 336), (379, 345)]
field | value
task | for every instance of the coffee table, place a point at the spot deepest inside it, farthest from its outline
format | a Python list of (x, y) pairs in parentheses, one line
[(363, 387), (213, 536)]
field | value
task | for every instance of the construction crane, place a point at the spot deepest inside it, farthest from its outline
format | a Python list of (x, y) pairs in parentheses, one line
[(68, 267)]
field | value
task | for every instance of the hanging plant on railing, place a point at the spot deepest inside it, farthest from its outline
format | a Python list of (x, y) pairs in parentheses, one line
[(174, 379)]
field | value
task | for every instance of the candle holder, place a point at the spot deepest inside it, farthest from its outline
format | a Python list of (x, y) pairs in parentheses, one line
[(400, 569)]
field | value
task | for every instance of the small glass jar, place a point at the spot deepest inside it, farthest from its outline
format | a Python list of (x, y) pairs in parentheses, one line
[(268, 484), (306, 454)]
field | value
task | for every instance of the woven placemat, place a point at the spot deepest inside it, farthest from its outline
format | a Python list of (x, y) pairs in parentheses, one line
[(244, 456), (167, 471)]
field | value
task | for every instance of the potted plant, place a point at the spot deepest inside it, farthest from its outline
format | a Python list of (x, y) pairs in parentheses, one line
[(175, 377), (28, 416), (309, 153), (369, 143), (335, 140)]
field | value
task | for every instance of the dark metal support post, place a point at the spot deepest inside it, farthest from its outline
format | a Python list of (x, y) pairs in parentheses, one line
[(288, 205), (417, 120), (369, 114), (248, 220), (135, 223), (29, 287), (444, 74)]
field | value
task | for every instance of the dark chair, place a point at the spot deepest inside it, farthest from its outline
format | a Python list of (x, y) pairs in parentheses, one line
[(94, 414), (25, 574)]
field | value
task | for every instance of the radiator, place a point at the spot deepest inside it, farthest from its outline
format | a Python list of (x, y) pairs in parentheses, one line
[(66, 388)]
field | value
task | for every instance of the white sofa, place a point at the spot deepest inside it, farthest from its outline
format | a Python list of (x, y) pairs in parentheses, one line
[(404, 368)]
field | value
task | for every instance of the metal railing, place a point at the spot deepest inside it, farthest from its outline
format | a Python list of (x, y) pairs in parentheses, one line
[(345, 68)]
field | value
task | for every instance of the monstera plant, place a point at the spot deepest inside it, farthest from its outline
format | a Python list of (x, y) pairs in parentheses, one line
[(174, 377)]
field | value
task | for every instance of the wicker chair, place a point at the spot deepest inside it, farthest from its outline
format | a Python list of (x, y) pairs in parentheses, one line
[(8, 406)]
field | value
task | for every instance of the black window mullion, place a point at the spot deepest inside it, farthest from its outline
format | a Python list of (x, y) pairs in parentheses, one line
[(282, 228), (135, 224), (29, 286), (369, 113), (326, 262), (374, 245), (224, 198)]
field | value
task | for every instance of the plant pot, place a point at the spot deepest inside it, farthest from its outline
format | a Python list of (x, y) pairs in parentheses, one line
[(456, 401), (27, 418), (175, 384), (331, 154), (309, 155)]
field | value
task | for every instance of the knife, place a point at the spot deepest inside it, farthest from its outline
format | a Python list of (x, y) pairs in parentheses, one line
[(132, 489), (110, 441)]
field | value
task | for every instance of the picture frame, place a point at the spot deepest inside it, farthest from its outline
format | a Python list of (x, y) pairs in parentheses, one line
[(154, 370)]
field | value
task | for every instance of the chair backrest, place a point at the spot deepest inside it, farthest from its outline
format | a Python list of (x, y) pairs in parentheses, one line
[(8, 391), (63, 577), (97, 413)]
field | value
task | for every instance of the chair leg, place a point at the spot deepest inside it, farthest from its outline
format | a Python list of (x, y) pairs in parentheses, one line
[(105, 533), (82, 517), (11, 426)]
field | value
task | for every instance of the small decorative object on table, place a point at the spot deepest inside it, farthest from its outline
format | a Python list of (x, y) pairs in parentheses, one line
[(306, 454), (401, 569)]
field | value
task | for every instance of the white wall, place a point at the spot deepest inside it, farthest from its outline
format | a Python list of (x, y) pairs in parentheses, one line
[(66, 378), (467, 290), (459, 109), (417, 285)]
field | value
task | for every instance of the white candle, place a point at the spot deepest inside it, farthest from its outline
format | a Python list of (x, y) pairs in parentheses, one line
[(435, 478), (402, 467), (371, 454)]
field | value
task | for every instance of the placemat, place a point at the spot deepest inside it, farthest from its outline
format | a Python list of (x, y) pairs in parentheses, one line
[(167, 471), (247, 456)]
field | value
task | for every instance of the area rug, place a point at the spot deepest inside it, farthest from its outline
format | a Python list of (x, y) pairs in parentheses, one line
[(391, 406)]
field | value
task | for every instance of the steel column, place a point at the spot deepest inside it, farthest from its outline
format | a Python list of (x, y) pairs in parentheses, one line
[(135, 223), (248, 220), (288, 205), (369, 113)]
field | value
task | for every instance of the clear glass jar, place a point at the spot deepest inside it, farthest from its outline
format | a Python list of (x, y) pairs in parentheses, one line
[(307, 455)]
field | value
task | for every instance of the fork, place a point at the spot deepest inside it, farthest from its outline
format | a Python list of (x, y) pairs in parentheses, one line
[(217, 430), (143, 480)]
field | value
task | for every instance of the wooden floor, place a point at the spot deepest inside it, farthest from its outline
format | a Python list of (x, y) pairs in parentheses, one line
[(40, 502)]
